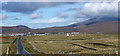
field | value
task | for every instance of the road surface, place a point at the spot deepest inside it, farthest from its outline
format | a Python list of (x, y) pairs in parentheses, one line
[(20, 48)]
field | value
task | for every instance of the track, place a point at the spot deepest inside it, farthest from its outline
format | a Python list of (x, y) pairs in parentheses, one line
[(20, 48)]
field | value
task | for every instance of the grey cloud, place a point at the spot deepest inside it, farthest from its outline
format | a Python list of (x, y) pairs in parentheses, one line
[(35, 16), (29, 7), (0, 7), (91, 10), (73, 9), (62, 15), (79, 14), (16, 19), (3, 17)]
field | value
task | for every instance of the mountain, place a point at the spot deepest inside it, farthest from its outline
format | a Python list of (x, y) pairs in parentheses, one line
[(94, 21), (15, 29), (93, 25), (105, 27), (21, 26)]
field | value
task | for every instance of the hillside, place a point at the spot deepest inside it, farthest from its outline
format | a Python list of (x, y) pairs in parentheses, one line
[(105, 25)]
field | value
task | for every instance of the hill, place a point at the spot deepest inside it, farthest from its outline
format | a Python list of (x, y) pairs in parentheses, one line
[(104, 24)]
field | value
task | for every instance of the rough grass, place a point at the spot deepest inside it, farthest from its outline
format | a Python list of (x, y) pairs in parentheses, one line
[(6, 40), (61, 44), (28, 47), (13, 47)]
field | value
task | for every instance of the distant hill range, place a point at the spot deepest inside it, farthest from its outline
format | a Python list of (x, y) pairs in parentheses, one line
[(20, 26), (103, 24)]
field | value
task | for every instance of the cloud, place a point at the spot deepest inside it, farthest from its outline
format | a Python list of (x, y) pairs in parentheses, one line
[(53, 20), (35, 22), (100, 9), (12, 25), (0, 7), (3, 17), (35, 16), (7, 24), (29, 7), (73, 9), (62, 15), (103, 9), (72, 23), (16, 19), (1, 24)]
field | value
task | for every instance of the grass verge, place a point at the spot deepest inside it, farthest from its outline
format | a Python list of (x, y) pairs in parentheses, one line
[(13, 46), (28, 47), (6, 42)]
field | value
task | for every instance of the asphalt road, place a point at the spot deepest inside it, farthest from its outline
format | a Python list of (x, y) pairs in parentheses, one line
[(20, 48)]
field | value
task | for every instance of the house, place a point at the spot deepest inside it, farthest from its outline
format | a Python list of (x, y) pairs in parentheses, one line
[(68, 34), (19, 34), (61, 33), (75, 32), (99, 32), (40, 33)]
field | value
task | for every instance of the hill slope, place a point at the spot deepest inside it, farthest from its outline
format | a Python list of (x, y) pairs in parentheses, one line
[(105, 25)]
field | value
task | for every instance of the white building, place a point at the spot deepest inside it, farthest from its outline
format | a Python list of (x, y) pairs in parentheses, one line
[(75, 32), (68, 34), (19, 34), (40, 33), (0, 34)]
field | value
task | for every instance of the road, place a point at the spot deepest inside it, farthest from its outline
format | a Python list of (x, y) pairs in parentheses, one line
[(20, 48)]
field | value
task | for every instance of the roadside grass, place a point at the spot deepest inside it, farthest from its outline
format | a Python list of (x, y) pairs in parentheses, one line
[(6, 40), (13, 46), (62, 44), (28, 47)]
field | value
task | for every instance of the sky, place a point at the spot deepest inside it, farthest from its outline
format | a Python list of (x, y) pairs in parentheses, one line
[(52, 14)]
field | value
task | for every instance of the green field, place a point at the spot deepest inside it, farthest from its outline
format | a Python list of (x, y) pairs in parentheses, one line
[(74, 44)]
